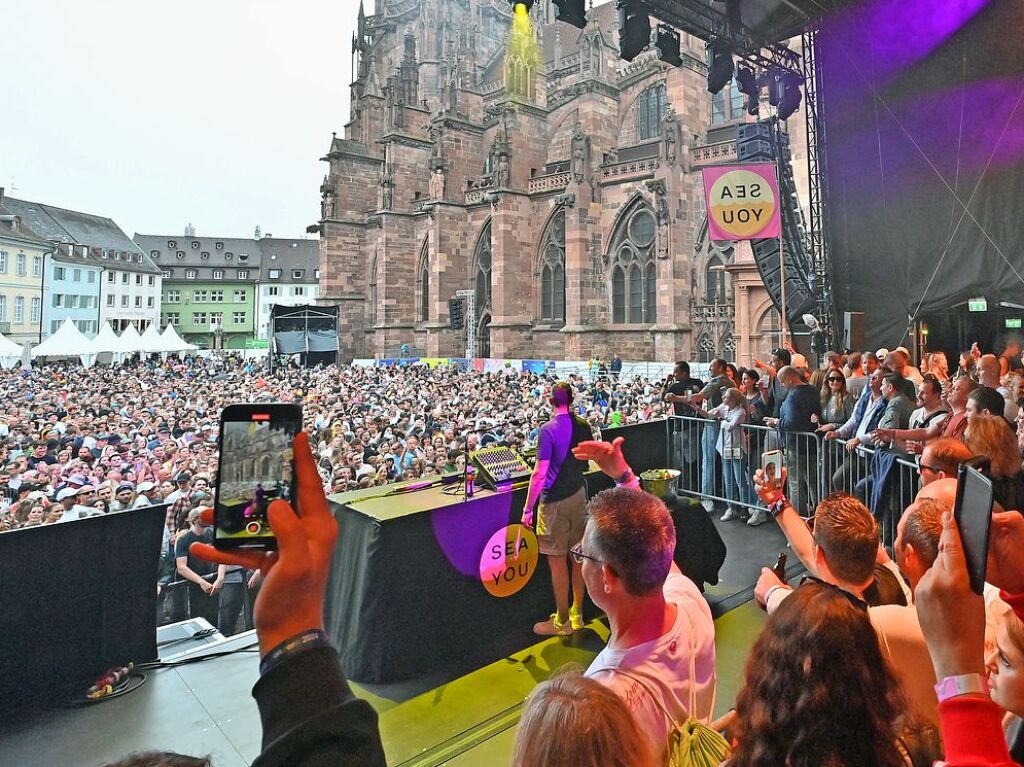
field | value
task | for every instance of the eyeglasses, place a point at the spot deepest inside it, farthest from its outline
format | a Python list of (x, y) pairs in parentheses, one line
[(578, 556), (852, 598), (835, 379), (921, 466)]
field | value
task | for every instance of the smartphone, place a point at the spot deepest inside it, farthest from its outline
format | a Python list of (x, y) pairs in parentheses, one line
[(973, 515), (256, 467), (772, 463)]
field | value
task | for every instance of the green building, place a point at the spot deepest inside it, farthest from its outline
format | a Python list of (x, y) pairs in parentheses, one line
[(209, 287)]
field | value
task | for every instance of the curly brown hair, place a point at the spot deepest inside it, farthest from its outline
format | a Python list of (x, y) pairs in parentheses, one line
[(818, 690)]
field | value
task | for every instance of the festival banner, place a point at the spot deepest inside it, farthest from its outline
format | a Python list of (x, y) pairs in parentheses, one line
[(742, 201)]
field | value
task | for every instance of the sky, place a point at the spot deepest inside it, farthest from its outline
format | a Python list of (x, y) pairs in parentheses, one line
[(161, 114)]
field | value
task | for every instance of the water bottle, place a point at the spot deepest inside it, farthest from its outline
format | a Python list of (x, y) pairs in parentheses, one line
[(469, 481)]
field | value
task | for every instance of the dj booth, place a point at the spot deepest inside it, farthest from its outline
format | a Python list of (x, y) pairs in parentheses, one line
[(422, 579)]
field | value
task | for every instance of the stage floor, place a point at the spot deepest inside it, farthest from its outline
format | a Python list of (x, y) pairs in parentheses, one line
[(468, 720)]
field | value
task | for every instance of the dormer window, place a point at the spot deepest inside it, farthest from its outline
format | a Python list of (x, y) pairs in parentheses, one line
[(243, 256), (219, 246), (181, 254), (205, 254), (117, 256), (104, 253), (172, 244), (195, 245), (154, 253)]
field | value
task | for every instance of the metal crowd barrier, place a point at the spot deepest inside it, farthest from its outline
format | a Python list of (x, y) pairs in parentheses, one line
[(887, 483)]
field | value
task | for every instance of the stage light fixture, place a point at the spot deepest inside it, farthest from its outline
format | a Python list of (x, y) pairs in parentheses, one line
[(528, 4), (634, 29), (720, 66), (791, 95), (776, 88), (668, 45), (746, 83), (571, 12)]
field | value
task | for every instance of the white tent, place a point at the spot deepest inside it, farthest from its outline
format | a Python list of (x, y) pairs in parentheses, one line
[(152, 341), (10, 352), (131, 341), (107, 341), (173, 342), (68, 341)]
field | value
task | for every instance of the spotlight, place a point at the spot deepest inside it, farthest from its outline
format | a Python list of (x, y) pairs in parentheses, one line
[(668, 45), (634, 29), (791, 96), (720, 66), (746, 83), (571, 12), (527, 4)]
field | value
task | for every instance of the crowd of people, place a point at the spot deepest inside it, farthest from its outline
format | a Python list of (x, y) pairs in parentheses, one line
[(877, 657)]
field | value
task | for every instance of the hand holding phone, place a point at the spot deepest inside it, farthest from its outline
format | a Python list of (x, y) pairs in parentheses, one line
[(973, 514)]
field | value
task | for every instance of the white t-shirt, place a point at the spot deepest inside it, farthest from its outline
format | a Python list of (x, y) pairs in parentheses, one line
[(664, 665)]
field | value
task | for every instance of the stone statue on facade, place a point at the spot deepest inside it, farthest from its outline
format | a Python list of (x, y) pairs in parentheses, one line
[(670, 133), (580, 152), (436, 186), (501, 172)]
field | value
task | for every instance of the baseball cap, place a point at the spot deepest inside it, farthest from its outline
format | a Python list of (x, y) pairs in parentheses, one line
[(77, 479), (882, 353), (145, 487), (183, 476), (126, 486), (67, 492)]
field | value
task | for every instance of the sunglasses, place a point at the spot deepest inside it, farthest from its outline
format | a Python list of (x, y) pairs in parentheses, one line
[(578, 556), (835, 380), (922, 466), (853, 599)]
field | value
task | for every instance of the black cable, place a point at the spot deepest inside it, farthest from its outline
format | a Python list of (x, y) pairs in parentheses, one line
[(132, 681)]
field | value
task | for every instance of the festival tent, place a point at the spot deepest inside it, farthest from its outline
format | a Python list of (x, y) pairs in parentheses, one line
[(173, 342), (152, 341), (68, 341), (107, 341), (131, 340), (10, 352)]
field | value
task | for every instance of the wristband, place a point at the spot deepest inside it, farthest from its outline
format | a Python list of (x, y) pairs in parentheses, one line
[(627, 476), (775, 507), (307, 640), (772, 590), (962, 684)]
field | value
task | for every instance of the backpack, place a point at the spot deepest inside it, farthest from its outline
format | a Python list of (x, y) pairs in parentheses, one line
[(691, 743)]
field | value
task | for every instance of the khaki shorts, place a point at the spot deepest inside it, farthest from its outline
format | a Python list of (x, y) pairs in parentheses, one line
[(560, 523)]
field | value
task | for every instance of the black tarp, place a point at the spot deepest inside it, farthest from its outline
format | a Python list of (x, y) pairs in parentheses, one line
[(923, 111)]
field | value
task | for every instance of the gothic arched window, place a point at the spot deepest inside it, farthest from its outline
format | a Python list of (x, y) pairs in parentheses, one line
[(706, 349), (717, 282), (552, 271), (371, 294), (634, 274), (482, 259), (650, 107), (424, 285)]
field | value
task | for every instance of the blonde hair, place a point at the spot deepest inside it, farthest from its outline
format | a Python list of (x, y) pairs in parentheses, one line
[(991, 435), (573, 720)]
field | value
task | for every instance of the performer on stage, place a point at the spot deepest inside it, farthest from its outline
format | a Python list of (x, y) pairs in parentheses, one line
[(557, 482)]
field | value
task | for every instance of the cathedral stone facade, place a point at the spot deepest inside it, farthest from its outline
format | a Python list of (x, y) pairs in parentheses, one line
[(558, 183)]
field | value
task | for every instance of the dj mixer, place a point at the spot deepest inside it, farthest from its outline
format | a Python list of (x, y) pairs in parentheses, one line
[(500, 466)]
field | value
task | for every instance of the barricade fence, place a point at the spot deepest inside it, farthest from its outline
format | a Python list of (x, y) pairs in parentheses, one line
[(718, 464)]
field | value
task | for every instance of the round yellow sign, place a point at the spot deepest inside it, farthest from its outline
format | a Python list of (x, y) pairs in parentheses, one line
[(742, 203), (509, 560)]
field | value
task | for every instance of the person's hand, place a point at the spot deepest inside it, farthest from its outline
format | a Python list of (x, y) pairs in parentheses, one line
[(831, 435), (769, 490), (206, 586), (914, 447), (1005, 543), (528, 517), (852, 445), (295, 576), (765, 583), (773, 422), (255, 578), (607, 455), (216, 586), (815, 418), (952, 616), (825, 428)]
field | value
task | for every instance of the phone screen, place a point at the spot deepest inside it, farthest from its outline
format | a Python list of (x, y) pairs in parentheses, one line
[(255, 468), (973, 514), (772, 463)]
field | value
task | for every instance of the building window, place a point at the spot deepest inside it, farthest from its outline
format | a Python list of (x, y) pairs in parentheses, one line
[(180, 254), (243, 274), (190, 274), (272, 290), (482, 259), (218, 274), (717, 282), (58, 300), (243, 256), (299, 290), (195, 245), (172, 244), (124, 278), (111, 276), (19, 310), (117, 256), (110, 299), (76, 275), (219, 245), (238, 296), (37, 266), (138, 279), (634, 275), (275, 274), (552, 271), (205, 255), (200, 296), (297, 274), (3, 308), (727, 105), (173, 296), (71, 301), (58, 271), (199, 318), (424, 294), (650, 107), (154, 254), (166, 274), (152, 280), (19, 260), (35, 309), (316, 274), (124, 302), (173, 318), (91, 276), (138, 302), (150, 302), (217, 318), (217, 296), (238, 318), (3, 262)]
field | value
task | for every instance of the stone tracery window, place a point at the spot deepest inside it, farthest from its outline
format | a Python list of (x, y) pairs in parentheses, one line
[(650, 107), (717, 282), (552, 271), (482, 259), (634, 274), (424, 286), (372, 293)]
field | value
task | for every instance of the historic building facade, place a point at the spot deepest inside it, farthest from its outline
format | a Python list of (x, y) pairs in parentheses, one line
[(556, 182)]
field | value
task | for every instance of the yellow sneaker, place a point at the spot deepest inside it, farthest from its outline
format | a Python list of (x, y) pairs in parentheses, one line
[(575, 619), (552, 627)]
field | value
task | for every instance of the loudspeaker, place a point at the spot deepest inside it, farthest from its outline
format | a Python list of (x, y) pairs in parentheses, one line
[(755, 149), (749, 131), (854, 330), (456, 319), (799, 298)]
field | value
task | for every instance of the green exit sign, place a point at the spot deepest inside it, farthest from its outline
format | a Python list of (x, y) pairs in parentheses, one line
[(1013, 322), (977, 305)]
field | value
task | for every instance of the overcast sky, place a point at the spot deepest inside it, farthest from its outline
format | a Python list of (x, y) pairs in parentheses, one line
[(158, 114)]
